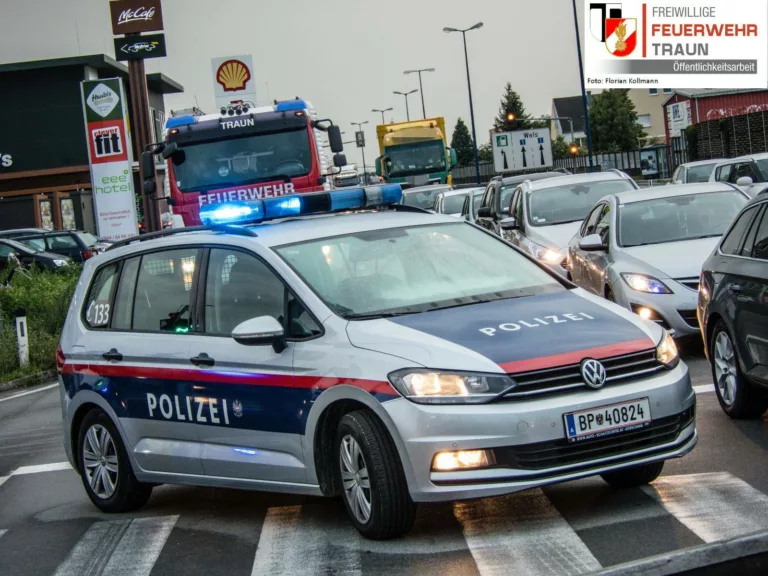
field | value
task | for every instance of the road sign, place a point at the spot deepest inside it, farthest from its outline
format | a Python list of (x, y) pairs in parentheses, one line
[(140, 47), (360, 139), (521, 150)]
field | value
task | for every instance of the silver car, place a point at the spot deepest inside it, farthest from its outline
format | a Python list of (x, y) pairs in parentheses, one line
[(692, 172), (545, 214), (450, 202), (749, 173), (423, 196), (644, 250)]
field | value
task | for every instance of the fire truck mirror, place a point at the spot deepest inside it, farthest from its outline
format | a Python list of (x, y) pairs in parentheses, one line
[(334, 138), (170, 149), (339, 160), (147, 164), (149, 187)]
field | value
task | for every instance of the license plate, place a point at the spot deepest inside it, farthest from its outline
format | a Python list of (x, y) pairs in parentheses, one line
[(607, 420)]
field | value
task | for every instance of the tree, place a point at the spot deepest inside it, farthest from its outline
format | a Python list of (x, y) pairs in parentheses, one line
[(560, 148), (485, 152), (511, 101), (461, 141), (613, 119)]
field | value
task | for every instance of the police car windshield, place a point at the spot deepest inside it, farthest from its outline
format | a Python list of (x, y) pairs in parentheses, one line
[(570, 203), (245, 160), (413, 269)]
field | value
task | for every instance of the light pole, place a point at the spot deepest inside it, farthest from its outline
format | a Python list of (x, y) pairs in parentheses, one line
[(382, 113), (406, 94), (583, 88), (469, 88), (570, 121), (421, 89), (362, 148)]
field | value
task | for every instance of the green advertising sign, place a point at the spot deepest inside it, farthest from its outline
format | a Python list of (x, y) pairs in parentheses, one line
[(102, 100)]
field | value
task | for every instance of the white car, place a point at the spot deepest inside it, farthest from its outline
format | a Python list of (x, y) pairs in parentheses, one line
[(750, 172), (692, 172), (451, 202)]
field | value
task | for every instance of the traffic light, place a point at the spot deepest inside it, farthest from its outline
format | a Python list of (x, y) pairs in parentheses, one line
[(510, 115), (574, 149)]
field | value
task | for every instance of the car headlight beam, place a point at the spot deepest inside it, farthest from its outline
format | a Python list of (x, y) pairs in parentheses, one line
[(547, 255), (645, 283), (426, 386)]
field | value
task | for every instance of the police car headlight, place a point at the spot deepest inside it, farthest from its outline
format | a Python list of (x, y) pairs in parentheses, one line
[(432, 387), (666, 351)]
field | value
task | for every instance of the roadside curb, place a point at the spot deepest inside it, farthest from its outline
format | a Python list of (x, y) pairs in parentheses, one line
[(742, 555), (26, 381)]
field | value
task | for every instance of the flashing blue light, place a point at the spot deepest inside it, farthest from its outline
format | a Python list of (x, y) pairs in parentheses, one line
[(231, 213), (180, 121), (282, 207), (386, 194), (290, 105), (347, 199)]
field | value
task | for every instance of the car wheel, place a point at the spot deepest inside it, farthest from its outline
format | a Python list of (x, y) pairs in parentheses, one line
[(609, 294), (738, 398), (633, 476), (371, 477), (105, 469)]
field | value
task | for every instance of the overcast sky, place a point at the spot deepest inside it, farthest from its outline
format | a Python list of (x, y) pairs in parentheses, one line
[(346, 56)]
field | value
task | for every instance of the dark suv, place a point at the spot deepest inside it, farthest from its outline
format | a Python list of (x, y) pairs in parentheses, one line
[(79, 246), (733, 312)]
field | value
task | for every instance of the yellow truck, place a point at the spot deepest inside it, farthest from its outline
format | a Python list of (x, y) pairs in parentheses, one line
[(415, 153)]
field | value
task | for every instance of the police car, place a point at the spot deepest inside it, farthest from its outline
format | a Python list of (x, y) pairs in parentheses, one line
[(339, 343)]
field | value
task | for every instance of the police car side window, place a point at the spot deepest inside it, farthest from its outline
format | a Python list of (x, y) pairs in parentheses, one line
[(240, 287), (162, 298), (98, 304), (124, 297)]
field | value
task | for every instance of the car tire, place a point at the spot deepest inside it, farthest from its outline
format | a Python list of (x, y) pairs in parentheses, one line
[(738, 398), (633, 476), (107, 475), (609, 294), (362, 443)]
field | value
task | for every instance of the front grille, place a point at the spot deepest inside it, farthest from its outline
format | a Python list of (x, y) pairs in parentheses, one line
[(568, 378), (692, 283), (690, 317), (555, 453)]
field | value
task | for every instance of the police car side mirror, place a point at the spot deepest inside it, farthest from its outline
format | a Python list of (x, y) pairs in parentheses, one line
[(509, 223), (260, 331)]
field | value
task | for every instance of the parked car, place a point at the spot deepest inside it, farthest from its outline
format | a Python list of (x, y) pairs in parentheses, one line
[(644, 249), (692, 172), (14, 233), (750, 173), (75, 244), (733, 313), (473, 201), (498, 192), (547, 213), (28, 256), (451, 202), (423, 196)]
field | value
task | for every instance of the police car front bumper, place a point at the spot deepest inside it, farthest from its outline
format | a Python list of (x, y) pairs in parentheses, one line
[(426, 430)]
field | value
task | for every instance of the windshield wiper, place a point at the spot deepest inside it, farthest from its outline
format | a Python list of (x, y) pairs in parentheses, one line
[(375, 315)]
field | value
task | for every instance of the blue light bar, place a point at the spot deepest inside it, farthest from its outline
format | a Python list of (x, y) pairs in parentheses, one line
[(291, 105), (307, 204), (180, 121)]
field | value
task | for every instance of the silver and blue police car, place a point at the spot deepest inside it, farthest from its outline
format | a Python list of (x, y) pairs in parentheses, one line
[(340, 343)]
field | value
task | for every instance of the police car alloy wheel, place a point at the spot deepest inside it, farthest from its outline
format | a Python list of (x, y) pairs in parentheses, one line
[(104, 466), (371, 478)]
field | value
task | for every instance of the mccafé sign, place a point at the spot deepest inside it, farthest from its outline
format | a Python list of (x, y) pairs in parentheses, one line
[(129, 16)]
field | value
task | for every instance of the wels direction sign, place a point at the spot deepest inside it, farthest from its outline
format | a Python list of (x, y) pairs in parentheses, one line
[(131, 16), (521, 150), (140, 47)]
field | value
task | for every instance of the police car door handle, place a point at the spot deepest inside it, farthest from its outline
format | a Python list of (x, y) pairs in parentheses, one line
[(202, 359), (113, 354)]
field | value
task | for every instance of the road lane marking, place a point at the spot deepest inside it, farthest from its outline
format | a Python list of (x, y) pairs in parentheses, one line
[(522, 534), (299, 544), (28, 392), (3, 479), (2, 532), (704, 388), (37, 469), (119, 547), (713, 505)]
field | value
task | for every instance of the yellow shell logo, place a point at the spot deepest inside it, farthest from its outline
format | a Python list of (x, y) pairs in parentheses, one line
[(233, 75)]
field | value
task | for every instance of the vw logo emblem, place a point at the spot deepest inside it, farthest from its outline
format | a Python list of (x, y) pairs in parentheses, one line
[(593, 373)]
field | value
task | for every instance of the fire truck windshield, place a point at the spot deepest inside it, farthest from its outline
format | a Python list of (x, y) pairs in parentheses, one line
[(244, 160)]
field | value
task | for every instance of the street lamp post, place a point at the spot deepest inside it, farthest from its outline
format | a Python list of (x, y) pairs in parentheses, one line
[(469, 88), (583, 88), (382, 113), (570, 121), (406, 94), (421, 88), (362, 148)]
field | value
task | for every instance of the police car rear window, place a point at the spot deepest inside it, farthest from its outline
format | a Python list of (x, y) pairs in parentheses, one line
[(414, 269)]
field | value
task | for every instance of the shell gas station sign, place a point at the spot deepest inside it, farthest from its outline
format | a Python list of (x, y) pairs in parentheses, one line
[(233, 80)]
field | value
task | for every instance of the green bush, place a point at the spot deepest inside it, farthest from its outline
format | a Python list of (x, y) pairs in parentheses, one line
[(45, 297)]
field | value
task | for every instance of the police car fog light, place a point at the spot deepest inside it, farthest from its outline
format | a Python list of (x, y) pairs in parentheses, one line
[(462, 460)]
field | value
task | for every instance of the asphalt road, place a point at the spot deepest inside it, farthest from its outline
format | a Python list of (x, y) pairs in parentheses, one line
[(48, 525)]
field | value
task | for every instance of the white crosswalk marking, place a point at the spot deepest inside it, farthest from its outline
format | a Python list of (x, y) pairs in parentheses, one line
[(3, 479), (119, 548), (522, 534), (714, 506), (300, 544), (2, 532)]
